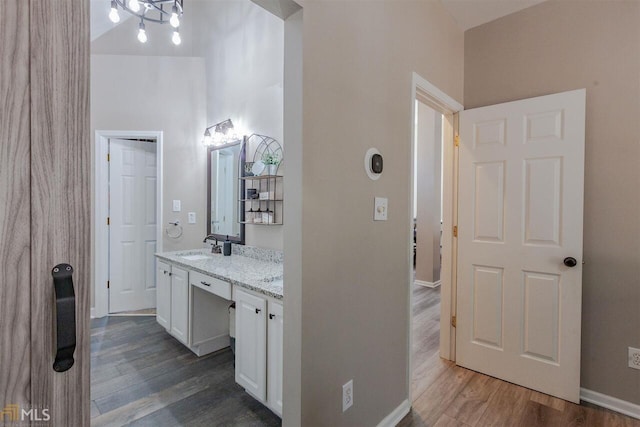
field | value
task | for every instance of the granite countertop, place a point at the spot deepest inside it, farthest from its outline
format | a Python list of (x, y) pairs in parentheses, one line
[(260, 273)]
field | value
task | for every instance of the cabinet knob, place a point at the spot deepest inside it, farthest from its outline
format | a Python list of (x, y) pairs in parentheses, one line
[(272, 316), (258, 311)]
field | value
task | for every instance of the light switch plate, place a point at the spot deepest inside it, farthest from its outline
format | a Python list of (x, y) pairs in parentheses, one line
[(192, 217), (176, 206), (380, 208)]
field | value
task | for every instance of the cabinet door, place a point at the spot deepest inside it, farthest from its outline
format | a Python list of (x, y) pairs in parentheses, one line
[(180, 304), (274, 357), (251, 351), (163, 294)]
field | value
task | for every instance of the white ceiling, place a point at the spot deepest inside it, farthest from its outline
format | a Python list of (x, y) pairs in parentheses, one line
[(471, 13)]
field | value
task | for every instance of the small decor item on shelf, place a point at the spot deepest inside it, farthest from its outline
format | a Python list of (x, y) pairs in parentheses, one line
[(257, 168), (267, 217), (252, 193), (247, 169), (271, 160)]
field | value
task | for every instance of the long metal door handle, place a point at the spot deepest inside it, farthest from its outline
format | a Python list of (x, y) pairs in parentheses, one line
[(65, 317)]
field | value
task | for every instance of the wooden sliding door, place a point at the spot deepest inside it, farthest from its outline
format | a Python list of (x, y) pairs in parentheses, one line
[(44, 206)]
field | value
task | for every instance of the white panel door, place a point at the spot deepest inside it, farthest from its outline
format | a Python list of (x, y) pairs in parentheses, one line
[(251, 348), (520, 215), (133, 228)]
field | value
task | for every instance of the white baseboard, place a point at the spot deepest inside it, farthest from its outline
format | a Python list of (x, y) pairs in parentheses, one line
[(609, 402), (396, 415), (210, 345), (427, 284)]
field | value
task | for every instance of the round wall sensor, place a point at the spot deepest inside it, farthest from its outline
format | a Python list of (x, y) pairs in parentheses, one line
[(373, 163)]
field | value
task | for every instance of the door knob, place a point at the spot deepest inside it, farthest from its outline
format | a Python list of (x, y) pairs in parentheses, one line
[(570, 261)]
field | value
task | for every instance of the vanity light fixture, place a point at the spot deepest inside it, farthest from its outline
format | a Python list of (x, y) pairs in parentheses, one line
[(222, 134), (157, 11)]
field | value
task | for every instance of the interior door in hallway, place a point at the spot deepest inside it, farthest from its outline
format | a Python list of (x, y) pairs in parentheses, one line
[(133, 225), (520, 242)]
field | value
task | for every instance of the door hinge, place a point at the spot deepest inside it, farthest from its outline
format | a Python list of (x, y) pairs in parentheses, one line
[(453, 321), (108, 221), (456, 140), (108, 157), (455, 231), (108, 284)]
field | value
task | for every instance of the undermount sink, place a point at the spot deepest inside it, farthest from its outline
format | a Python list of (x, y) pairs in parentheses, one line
[(195, 257)]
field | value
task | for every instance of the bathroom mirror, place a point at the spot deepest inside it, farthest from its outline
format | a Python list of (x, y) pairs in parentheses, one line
[(223, 188)]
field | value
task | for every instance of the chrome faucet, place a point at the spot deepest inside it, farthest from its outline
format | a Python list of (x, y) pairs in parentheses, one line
[(215, 249)]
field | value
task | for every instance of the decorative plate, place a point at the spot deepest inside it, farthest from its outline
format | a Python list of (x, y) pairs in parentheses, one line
[(258, 168)]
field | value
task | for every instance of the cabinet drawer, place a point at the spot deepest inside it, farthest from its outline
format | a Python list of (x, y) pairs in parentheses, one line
[(211, 284)]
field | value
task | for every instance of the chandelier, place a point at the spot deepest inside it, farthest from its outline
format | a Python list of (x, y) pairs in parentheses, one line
[(158, 11)]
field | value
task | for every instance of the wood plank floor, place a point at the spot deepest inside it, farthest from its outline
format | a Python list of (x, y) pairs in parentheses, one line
[(447, 395), (141, 376)]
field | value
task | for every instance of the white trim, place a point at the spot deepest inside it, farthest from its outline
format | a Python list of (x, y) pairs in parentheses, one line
[(92, 314), (427, 284), (609, 402), (396, 415), (447, 106), (101, 210), (442, 98)]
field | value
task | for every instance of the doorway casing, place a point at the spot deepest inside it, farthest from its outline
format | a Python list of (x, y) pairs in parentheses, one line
[(101, 210), (427, 93)]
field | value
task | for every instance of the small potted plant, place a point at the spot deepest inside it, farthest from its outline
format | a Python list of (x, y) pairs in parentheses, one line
[(271, 160)]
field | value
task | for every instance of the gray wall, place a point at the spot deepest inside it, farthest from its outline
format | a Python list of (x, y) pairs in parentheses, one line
[(358, 64), (178, 110), (563, 45)]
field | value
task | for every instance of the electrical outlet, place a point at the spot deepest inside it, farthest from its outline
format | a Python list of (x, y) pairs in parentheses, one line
[(192, 217), (634, 358), (347, 395)]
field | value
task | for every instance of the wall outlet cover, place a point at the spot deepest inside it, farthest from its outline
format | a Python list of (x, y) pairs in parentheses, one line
[(176, 206), (634, 358), (347, 395), (380, 208), (192, 217)]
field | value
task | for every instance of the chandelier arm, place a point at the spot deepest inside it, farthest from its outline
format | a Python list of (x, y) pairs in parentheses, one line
[(153, 3)]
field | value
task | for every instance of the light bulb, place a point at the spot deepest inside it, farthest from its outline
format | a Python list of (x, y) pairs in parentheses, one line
[(113, 15), (207, 138), (176, 38), (174, 20), (142, 34), (134, 5)]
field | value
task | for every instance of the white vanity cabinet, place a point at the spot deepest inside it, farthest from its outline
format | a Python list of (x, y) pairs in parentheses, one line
[(180, 304), (172, 307), (251, 340), (163, 294), (259, 339), (275, 347), (193, 308)]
